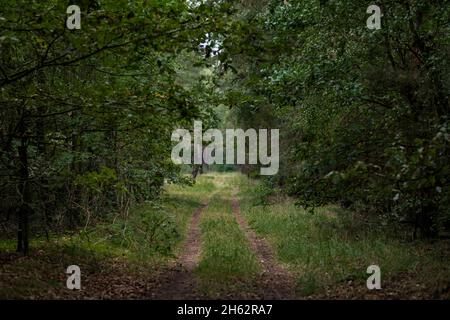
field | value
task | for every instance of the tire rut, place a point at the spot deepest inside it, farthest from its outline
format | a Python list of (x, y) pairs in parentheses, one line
[(179, 281), (276, 282)]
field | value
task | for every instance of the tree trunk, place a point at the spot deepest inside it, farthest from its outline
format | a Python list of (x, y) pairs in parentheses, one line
[(195, 169), (24, 187)]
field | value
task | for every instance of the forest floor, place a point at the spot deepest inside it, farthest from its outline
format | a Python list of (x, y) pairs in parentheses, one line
[(216, 240)]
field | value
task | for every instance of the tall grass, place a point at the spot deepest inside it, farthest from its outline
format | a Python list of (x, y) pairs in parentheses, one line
[(145, 240), (331, 246)]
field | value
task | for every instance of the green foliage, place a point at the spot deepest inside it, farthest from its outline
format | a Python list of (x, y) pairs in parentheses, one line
[(146, 232), (363, 113), (94, 109), (97, 182)]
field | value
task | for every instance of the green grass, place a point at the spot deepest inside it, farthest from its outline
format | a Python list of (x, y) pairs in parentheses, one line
[(149, 230), (227, 262), (42, 274), (331, 247), (323, 250), (147, 239)]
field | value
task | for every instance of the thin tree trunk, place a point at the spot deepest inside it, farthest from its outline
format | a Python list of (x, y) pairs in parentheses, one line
[(24, 209)]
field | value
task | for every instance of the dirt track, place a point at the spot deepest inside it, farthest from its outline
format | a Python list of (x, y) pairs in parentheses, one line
[(276, 281), (179, 282)]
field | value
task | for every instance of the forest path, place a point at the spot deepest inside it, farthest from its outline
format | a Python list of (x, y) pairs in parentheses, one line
[(212, 249), (275, 281), (222, 257), (180, 282)]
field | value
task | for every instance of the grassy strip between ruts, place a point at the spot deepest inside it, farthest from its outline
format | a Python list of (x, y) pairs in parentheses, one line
[(330, 250), (227, 263)]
